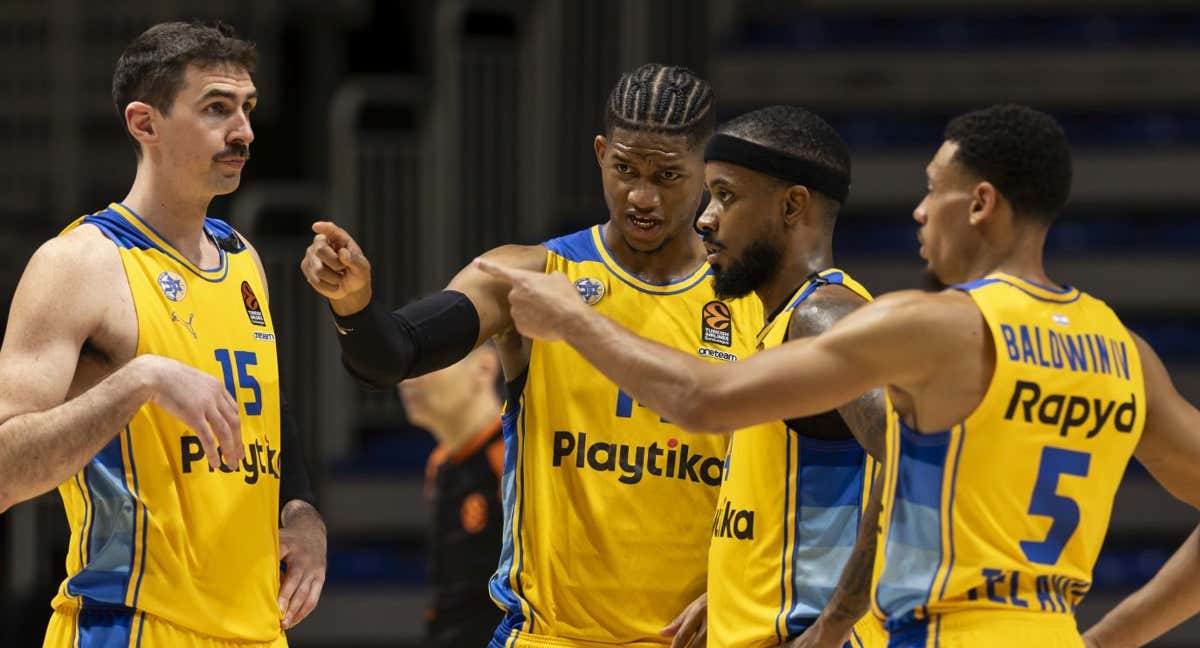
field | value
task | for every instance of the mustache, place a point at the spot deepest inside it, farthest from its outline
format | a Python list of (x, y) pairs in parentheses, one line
[(234, 150)]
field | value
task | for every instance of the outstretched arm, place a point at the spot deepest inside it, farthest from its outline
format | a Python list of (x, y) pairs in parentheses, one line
[(382, 347), (874, 346), (1170, 598)]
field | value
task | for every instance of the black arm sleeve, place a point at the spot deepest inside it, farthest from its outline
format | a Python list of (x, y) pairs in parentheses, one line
[(381, 348), (293, 480)]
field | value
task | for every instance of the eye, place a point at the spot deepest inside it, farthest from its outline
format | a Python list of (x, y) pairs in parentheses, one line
[(248, 108), (623, 169), (669, 175), (722, 196), (217, 109)]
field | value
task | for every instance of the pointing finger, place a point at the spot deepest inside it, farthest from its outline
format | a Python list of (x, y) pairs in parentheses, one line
[(498, 271), (336, 236)]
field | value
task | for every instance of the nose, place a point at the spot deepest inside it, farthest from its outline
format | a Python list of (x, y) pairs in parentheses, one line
[(919, 212), (708, 221), (242, 132), (644, 197)]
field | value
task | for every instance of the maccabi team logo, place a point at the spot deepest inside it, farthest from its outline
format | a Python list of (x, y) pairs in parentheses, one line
[(253, 310), (716, 323), (590, 289), (172, 285)]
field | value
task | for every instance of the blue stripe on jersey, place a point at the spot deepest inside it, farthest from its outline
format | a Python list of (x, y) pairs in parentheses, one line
[(105, 578), (1068, 294), (915, 633), (500, 586), (829, 490), (576, 247), (787, 512), (219, 229), (137, 588), (106, 628), (120, 231), (125, 235), (913, 552)]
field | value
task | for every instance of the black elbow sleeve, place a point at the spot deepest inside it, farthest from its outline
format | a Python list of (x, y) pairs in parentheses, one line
[(294, 482), (382, 348)]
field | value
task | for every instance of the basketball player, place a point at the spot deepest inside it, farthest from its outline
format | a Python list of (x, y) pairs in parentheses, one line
[(1016, 401), (460, 407), (778, 177), (607, 506), (139, 376), (1170, 598)]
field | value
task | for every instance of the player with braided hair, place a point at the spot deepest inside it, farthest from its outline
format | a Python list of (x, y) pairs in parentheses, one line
[(607, 506)]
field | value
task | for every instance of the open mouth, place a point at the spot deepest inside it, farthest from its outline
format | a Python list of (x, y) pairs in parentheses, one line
[(645, 224)]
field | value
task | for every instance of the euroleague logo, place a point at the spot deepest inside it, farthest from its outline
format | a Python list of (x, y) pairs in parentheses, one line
[(253, 310), (716, 323)]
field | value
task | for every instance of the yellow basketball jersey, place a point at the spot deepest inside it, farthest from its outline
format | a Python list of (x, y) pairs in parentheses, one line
[(786, 520), (998, 520), (153, 529), (607, 506)]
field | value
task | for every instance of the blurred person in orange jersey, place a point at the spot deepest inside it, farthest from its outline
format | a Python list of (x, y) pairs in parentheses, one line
[(460, 407)]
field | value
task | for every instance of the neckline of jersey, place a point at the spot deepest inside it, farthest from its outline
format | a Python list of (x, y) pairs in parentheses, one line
[(166, 246), (672, 287)]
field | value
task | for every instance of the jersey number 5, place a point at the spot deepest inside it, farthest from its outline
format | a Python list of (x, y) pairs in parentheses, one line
[(243, 360), (1046, 502)]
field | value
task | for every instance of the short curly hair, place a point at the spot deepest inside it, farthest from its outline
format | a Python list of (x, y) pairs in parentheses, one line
[(1022, 151)]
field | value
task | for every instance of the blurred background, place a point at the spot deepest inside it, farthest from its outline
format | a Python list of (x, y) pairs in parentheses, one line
[(436, 130)]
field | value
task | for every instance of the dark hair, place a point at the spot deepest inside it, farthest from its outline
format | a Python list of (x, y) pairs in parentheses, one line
[(152, 67), (662, 99), (1022, 151), (793, 131)]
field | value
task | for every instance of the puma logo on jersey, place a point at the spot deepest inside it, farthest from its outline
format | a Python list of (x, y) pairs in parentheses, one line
[(615, 457), (1070, 411)]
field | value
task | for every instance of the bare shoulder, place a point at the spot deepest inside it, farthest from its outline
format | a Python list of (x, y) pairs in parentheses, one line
[(69, 286), (82, 259), (524, 257), (822, 310)]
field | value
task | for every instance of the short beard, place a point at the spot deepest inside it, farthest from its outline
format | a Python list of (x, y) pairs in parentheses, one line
[(757, 265)]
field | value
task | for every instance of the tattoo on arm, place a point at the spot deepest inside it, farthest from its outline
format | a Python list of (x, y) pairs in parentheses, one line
[(866, 416)]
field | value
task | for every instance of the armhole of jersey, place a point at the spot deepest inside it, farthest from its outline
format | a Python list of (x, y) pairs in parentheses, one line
[(513, 390)]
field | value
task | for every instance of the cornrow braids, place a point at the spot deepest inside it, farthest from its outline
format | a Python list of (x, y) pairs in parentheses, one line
[(662, 99)]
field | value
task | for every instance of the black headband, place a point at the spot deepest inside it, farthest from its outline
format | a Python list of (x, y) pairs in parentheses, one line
[(726, 148)]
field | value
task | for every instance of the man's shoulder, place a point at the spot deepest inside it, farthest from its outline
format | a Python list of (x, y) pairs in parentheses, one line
[(81, 250)]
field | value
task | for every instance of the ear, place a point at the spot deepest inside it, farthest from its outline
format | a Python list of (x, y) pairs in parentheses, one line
[(797, 202), (985, 200), (140, 120), (601, 145)]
